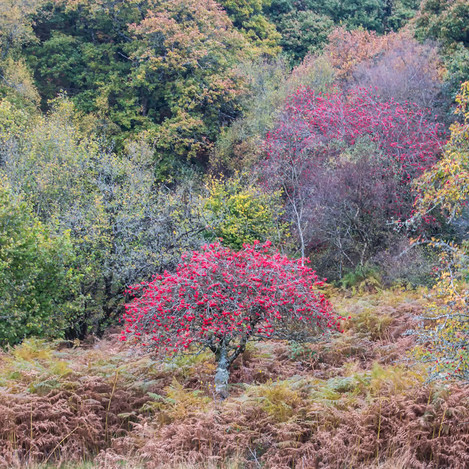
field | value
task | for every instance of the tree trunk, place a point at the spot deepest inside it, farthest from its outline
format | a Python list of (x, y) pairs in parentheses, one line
[(222, 374)]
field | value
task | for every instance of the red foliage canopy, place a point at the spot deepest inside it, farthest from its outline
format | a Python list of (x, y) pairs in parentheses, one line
[(219, 296), (316, 127)]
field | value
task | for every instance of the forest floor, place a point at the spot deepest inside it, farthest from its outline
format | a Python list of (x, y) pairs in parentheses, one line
[(356, 401)]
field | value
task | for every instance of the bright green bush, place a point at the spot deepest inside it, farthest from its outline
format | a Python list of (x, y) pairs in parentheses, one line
[(240, 212)]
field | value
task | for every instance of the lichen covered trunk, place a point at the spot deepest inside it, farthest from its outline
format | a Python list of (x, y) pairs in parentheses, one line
[(222, 374)]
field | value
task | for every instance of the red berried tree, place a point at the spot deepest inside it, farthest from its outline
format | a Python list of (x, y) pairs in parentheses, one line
[(219, 299), (345, 164)]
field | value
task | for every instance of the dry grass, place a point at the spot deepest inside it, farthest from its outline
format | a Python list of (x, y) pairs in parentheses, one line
[(354, 402)]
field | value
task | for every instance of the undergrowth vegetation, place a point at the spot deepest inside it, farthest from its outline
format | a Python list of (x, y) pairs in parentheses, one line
[(359, 400)]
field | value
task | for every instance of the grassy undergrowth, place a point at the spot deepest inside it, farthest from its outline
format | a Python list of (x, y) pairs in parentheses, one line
[(356, 401)]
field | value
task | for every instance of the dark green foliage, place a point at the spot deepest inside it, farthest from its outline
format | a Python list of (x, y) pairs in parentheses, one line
[(304, 32), (85, 52), (445, 20), (368, 14), (38, 287), (305, 24), (457, 69), (402, 11)]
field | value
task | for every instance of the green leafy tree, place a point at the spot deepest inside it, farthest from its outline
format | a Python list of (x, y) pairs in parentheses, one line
[(239, 213), (457, 69), (187, 52), (83, 48), (368, 14), (401, 12), (445, 20), (249, 18), (304, 32), (38, 287)]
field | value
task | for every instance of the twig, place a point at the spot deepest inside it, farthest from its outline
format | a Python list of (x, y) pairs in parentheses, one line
[(59, 443), (109, 403)]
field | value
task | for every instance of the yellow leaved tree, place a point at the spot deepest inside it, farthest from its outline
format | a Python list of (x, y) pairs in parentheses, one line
[(444, 332)]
